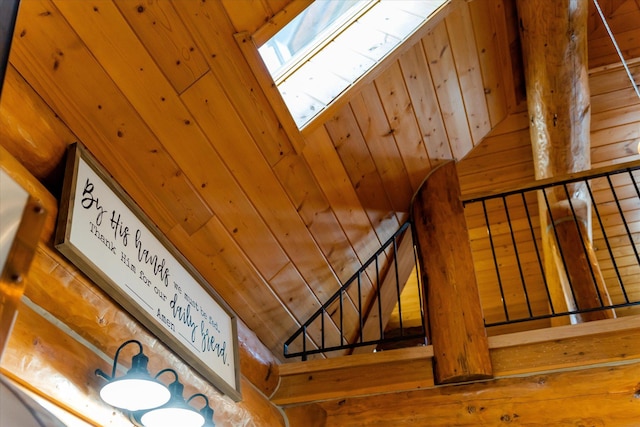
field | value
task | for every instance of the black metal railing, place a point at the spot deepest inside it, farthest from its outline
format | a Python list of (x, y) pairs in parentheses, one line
[(506, 238), (507, 243), (385, 279)]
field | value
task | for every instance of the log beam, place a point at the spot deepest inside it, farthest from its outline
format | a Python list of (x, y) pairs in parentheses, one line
[(554, 46), (451, 295)]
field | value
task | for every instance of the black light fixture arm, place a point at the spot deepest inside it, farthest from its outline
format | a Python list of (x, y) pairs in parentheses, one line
[(137, 360), (206, 399), (207, 412), (175, 374)]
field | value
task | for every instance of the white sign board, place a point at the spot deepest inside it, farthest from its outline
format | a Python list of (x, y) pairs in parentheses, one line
[(109, 238)]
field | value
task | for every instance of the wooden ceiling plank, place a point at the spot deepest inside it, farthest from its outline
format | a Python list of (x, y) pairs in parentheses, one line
[(105, 31), (402, 128), (623, 19), (463, 47), (495, 144), (612, 79), (512, 123), (328, 170), (167, 40), (484, 27), (314, 208), (602, 52), (500, 155), (424, 100), (619, 152), (354, 154), (253, 174), (498, 178), (226, 267), (248, 15), (440, 59), (380, 138), (210, 156), (614, 100), (287, 285), (212, 30), (170, 119), (615, 117), (613, 135), (68, 77)]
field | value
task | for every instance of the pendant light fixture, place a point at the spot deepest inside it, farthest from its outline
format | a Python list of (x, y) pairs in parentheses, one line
[(137, 389), (176, 412)]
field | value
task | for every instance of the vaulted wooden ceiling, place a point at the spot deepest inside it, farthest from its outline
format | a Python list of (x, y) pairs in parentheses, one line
[(170, 99)]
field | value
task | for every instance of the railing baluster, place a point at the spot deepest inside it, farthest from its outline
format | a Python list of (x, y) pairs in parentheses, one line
[(420, 290), (606, 242), (535, 245), (495, 260), (304, 342), (515, 251), (395, 267), (633, 181), (360, 306), (624, 220), (341, 317), (379, 298), (322, 325)]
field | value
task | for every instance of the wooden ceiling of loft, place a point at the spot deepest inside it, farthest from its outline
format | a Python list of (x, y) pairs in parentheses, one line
[(161, 93)]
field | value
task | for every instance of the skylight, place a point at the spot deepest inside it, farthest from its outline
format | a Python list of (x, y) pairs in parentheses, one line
[(332, 43)]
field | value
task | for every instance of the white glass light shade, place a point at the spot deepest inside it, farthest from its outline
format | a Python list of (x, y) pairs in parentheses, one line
[(135, 394), (172, 417)]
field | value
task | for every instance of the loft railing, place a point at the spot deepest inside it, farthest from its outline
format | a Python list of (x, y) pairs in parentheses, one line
[(506, 239), (369, 290)]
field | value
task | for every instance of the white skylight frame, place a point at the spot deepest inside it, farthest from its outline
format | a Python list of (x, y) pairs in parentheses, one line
[(345, 52)]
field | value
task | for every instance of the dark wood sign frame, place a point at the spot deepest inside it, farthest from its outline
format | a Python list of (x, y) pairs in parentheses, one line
[(106, 235)]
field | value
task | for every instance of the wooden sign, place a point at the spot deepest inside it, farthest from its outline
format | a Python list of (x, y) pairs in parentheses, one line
[(105, 234)]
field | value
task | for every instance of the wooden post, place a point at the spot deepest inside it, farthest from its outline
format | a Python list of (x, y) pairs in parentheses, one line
[(20, 253), (458, 336), (554, 45)]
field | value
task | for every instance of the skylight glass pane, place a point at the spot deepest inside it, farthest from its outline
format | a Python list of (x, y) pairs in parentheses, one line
[(315, 24), (368, 41), (301, 106), (333, 43), (388, 19), (318, 81), (352, 63)]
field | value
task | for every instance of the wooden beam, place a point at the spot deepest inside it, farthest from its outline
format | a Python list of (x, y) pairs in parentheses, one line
[(608, 395), (15, 269), (311, 415), (531, 354), (356, 375), (611, 341), (554, 46), (451, 294)]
